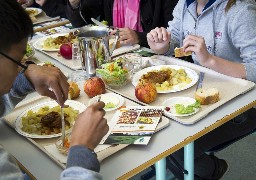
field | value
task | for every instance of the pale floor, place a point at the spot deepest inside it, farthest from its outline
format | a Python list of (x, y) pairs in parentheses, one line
[(241, 157)]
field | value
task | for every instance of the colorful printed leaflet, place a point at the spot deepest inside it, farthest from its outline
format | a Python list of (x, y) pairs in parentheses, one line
[(133, 125)]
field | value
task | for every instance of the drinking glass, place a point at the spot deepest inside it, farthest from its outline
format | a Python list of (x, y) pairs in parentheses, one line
[(76, 55), (135, 59), (78, 76)]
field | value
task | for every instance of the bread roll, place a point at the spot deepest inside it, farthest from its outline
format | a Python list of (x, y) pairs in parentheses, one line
[(179, 52), (207, 96), (73, 91)]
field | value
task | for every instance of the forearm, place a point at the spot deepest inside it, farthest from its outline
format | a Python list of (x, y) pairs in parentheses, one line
[(220, 65), (163, 51)]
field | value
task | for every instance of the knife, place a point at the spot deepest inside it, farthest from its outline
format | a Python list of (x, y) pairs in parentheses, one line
[(98, 23), (200, 81), (62, 125)]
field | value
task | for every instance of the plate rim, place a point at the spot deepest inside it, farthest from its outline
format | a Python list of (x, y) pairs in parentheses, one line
[(179, 115), (36, 136), (36, 43), (194, 81), (39, 11), (121, 100)]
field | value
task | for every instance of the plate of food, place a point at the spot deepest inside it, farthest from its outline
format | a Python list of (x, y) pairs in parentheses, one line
[(53, 42), (167, 78), (43, 120), (33, 11), (112, 101), (181, 106), (50, 64)]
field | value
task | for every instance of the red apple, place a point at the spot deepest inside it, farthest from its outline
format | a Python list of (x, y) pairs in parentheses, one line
[(66, 51), (146, 92), (94, 86)]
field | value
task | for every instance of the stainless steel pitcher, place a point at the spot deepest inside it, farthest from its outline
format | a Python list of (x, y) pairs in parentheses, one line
[(94, 47)]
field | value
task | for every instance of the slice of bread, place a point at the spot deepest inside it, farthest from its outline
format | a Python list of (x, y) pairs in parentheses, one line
[(179, 52), (207, 96)]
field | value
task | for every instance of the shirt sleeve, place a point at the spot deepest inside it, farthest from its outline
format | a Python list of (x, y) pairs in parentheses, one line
[(243, 35), (82, 163), (174, 27), (55, 8), (8, 167)]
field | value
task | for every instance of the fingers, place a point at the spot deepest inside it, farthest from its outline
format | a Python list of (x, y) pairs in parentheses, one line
[(104, 126), (98, 105), (128, 36), (158, 35), (193, 43), (64, 85), (54, 79)]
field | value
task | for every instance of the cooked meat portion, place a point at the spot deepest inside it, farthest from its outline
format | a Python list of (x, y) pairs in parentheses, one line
[(64, 39), (53, 120), (156, 76)]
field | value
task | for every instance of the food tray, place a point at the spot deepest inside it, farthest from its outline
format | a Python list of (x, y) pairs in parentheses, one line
[(69, 63), (228, 87), (48, 145)]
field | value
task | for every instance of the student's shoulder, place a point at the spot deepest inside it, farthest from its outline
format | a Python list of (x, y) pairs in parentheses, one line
[(242, 9)]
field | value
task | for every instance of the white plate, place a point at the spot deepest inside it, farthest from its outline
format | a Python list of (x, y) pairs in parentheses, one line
[(18, 122), (65, 73), (116, 99), (178, 100), (179, 87), (37, 10), (38, 45)]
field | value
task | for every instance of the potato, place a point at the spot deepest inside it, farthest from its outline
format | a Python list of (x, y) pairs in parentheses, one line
[(31, 123)]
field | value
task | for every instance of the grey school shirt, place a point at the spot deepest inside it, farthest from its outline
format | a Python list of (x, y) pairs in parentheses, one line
[(82, 163), (230, 35)]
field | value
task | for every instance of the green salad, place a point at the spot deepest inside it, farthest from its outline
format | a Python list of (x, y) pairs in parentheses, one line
[(113, 74), (181, 109), (29, 50), (109, 105)]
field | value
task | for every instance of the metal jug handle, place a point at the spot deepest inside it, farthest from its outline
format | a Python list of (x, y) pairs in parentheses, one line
[(115, 42)]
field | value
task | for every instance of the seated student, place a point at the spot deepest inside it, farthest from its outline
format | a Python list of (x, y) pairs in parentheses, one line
[(52, 8), (90, 126), (221, 36), (134, 18)]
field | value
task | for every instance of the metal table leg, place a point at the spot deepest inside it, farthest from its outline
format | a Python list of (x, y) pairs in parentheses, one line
[(161, 169), (189, 161)]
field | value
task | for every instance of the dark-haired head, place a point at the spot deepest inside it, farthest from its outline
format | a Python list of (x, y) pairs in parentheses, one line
[(15, 24)]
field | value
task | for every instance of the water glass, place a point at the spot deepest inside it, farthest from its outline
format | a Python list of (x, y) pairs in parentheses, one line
[(135, 59), (78, 76), (76, 56)]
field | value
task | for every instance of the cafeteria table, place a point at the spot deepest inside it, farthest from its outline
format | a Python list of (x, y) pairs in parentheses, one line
[(133, 159)]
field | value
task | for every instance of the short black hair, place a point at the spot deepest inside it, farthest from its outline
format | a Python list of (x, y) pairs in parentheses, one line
[(15, 24)]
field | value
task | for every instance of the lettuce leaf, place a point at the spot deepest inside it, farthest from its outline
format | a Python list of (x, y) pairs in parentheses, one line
[(181, 109)]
